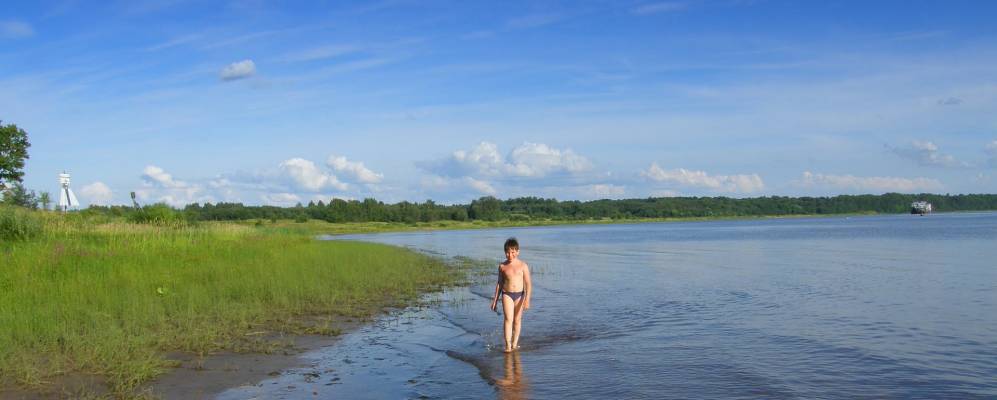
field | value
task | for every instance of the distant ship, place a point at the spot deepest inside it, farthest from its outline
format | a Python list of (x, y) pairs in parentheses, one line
[(920, 207)]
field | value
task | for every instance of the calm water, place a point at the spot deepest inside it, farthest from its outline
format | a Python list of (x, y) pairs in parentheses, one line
[(860, 307)]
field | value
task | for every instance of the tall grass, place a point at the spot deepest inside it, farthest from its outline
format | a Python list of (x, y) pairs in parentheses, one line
[(110, 298)]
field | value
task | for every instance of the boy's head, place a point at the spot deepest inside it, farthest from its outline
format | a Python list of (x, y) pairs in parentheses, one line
[(511, 244)]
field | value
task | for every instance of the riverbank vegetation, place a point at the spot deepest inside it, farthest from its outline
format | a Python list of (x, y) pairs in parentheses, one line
[(532, 210), (109, 297)]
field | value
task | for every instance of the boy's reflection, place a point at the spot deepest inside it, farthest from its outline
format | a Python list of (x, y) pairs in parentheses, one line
[(513, 386)]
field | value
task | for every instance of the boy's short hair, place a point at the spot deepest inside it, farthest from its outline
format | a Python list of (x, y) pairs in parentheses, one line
[(511, 243)]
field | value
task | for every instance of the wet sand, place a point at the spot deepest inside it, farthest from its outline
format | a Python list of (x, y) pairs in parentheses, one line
[(202, 378), (198, 377)]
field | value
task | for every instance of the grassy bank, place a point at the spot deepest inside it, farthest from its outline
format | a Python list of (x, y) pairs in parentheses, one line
[(319, 227), (109, 299)]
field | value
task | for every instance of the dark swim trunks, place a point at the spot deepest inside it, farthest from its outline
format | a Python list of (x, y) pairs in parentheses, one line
[(515, 296)]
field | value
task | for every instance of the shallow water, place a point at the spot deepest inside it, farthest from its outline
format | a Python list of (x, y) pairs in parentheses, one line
[(857, 307)]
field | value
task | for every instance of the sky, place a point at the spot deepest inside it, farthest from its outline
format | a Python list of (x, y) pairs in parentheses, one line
[(280, 102)]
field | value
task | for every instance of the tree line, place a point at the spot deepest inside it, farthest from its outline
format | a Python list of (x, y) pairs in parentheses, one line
[(536, 208)]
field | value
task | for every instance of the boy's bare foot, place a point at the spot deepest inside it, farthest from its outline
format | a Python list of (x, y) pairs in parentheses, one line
[(507, 350)]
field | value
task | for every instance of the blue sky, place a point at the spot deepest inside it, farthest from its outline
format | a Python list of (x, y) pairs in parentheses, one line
[(276, 102)]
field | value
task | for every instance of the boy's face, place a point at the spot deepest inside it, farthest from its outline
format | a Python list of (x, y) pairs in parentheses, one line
[(512, 253)]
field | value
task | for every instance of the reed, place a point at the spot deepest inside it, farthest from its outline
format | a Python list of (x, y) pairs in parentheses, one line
[(109, 299)]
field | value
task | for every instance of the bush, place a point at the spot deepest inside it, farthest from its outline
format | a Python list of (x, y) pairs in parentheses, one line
[(301, 218), (158, 214), (19, 224)]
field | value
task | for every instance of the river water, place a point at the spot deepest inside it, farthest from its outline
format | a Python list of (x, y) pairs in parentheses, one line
[(846, 307)]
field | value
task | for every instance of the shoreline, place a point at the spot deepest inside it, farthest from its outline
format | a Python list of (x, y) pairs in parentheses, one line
[(209, 376)]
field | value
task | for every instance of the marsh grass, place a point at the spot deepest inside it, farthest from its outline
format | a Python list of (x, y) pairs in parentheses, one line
[(109, 298)]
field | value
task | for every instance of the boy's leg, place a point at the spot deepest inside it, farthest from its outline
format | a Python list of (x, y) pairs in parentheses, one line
[(517, 323), (508, 312)]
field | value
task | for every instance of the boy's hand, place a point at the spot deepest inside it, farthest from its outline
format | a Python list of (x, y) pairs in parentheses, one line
[(526, 304), (494, 305)]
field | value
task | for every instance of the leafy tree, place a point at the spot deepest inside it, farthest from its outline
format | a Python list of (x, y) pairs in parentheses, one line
[(18, 195), (13, 151), (45, 199)]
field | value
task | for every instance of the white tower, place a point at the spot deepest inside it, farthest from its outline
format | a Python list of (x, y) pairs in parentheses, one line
[(67, 199)]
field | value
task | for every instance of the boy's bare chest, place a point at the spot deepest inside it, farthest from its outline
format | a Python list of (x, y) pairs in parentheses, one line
[(512, 271)]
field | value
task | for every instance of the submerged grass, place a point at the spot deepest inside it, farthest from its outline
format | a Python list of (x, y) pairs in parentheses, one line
[(110, 299)]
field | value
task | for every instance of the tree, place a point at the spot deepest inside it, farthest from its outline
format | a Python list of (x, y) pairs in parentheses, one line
[(45, 199), (17, 195), (13, 151)]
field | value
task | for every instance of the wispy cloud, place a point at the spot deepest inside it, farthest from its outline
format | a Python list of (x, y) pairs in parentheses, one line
[(533, 21), (12, 29), (182, 40), (655, 8), (874, 184), (318, 53), (745, 183), (991, 150), (238, 70), (950, 101), (926, 154)]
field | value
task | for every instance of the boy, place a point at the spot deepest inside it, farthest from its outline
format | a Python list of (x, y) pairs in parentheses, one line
[(515, 288)]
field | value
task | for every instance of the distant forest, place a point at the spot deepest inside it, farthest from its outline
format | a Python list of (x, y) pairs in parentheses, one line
[(533, 208)]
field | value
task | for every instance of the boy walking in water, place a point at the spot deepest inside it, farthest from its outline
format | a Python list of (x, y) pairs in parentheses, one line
[(514, 288)]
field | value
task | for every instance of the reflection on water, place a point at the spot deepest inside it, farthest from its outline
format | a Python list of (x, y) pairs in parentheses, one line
[(513, 385), (860, 307)]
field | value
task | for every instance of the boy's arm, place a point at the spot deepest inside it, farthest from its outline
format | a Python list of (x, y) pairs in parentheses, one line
[(527, 286), (498, 287)]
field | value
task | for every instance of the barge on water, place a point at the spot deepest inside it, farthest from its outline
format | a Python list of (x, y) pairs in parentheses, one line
[(920, 207)]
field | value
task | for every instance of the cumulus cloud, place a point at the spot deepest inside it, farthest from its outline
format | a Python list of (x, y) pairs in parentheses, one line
[(701, 179), (15, 29), (355, 169), (927, 154), (238, 70), (160, 186), (870, 184), (654, 8), (97, 193), (529, 160), (480, 186), (991, 150), (306, 175)]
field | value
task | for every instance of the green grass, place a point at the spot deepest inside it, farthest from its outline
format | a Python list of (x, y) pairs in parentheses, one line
[(110, 298), (319, 227)]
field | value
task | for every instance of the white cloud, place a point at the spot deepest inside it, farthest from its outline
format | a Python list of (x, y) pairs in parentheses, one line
[(654, 8), (537, 160), (306, 175), (238, 70), (12, 29), (160, 186), (605, 190), (927, 154), (529, 160), (875, 184), (481, 186), (155, 175), (700, 179), (280, 199), (97, 193), (354, 168), (991, 150)]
